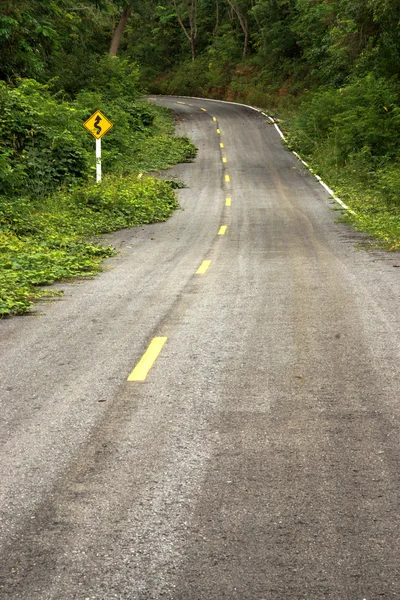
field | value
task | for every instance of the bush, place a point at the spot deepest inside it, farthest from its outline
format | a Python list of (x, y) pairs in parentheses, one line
[(188, 79), (351, 137), (360, 118), (42, 144), (125, 202), (45, 241)]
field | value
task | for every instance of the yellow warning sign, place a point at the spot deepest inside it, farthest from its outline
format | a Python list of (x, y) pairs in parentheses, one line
[(98, 124)]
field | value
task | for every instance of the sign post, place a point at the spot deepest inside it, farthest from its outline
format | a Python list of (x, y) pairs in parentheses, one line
[(98, 125), (98, 160)]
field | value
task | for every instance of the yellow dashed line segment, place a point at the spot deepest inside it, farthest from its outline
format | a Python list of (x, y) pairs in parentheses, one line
[(227, 178), (222, 229), (228, 201), (180, 102), (143, 367), (203, 267), (218, 131), (214, 118), (205, 110), (221, 145), (224, 160)]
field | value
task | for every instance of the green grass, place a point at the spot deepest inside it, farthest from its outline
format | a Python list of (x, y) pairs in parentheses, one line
[(374, 214), (371, 190), (50, 240)]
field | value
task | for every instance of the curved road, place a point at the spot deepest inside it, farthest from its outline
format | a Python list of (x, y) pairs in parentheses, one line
[(259, 457)]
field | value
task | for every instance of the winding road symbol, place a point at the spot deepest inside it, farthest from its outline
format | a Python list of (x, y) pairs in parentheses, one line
[(96, 124)]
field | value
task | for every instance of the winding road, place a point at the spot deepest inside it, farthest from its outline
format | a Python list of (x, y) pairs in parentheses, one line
[(217, 415)]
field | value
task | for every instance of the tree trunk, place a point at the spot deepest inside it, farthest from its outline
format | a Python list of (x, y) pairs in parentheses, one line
[(193, 46), (243, 22), (192, 34), (119, 30), (216, 18), (246, 39)]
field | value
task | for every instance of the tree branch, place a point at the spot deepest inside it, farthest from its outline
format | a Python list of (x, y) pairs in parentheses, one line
[(181, 22)]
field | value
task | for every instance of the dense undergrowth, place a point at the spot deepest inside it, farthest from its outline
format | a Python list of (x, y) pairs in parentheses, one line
[(51, 209), (351, 137)]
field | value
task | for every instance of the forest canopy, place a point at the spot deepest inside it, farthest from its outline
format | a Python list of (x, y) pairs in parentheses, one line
[(297, 44)]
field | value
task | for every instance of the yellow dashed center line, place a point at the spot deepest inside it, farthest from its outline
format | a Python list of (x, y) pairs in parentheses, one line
[(180, 102), (203, 267), (228, 201), (222, 229), (224, 159), (214, 118), (227, 178), (221, 145), (218, 131), (205, 110), (141, 370)]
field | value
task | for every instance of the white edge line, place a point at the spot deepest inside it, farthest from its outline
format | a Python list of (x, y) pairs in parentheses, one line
[(279, 131), (328, 189)]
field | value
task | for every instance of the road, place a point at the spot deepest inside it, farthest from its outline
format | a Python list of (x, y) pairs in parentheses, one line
[(258, 458)]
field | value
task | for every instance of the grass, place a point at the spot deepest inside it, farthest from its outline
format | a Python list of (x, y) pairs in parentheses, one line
[(372, 193)]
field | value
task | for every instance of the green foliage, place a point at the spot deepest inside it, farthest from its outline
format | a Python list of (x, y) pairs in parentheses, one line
[(125, 202), (42, 143), (188, 78), (276, 42), (25, 37), (361, 118), (351, 137), (44, 241), (115, 78), (43, 40), (375, 201)]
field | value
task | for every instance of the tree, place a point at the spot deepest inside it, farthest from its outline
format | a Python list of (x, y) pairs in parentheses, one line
[(240, 8), (119, 30), (187, 10)]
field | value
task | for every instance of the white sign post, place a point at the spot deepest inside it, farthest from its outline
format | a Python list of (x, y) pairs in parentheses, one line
[(98, 160)]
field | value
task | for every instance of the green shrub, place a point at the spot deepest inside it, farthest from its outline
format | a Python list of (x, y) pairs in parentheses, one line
[(351, 137), (46, 240), (42, 143), (125, 202), (361, 117), (189, 79), (115, 78)]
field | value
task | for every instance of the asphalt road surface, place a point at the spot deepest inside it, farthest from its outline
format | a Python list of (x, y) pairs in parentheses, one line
[(258, 458)]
